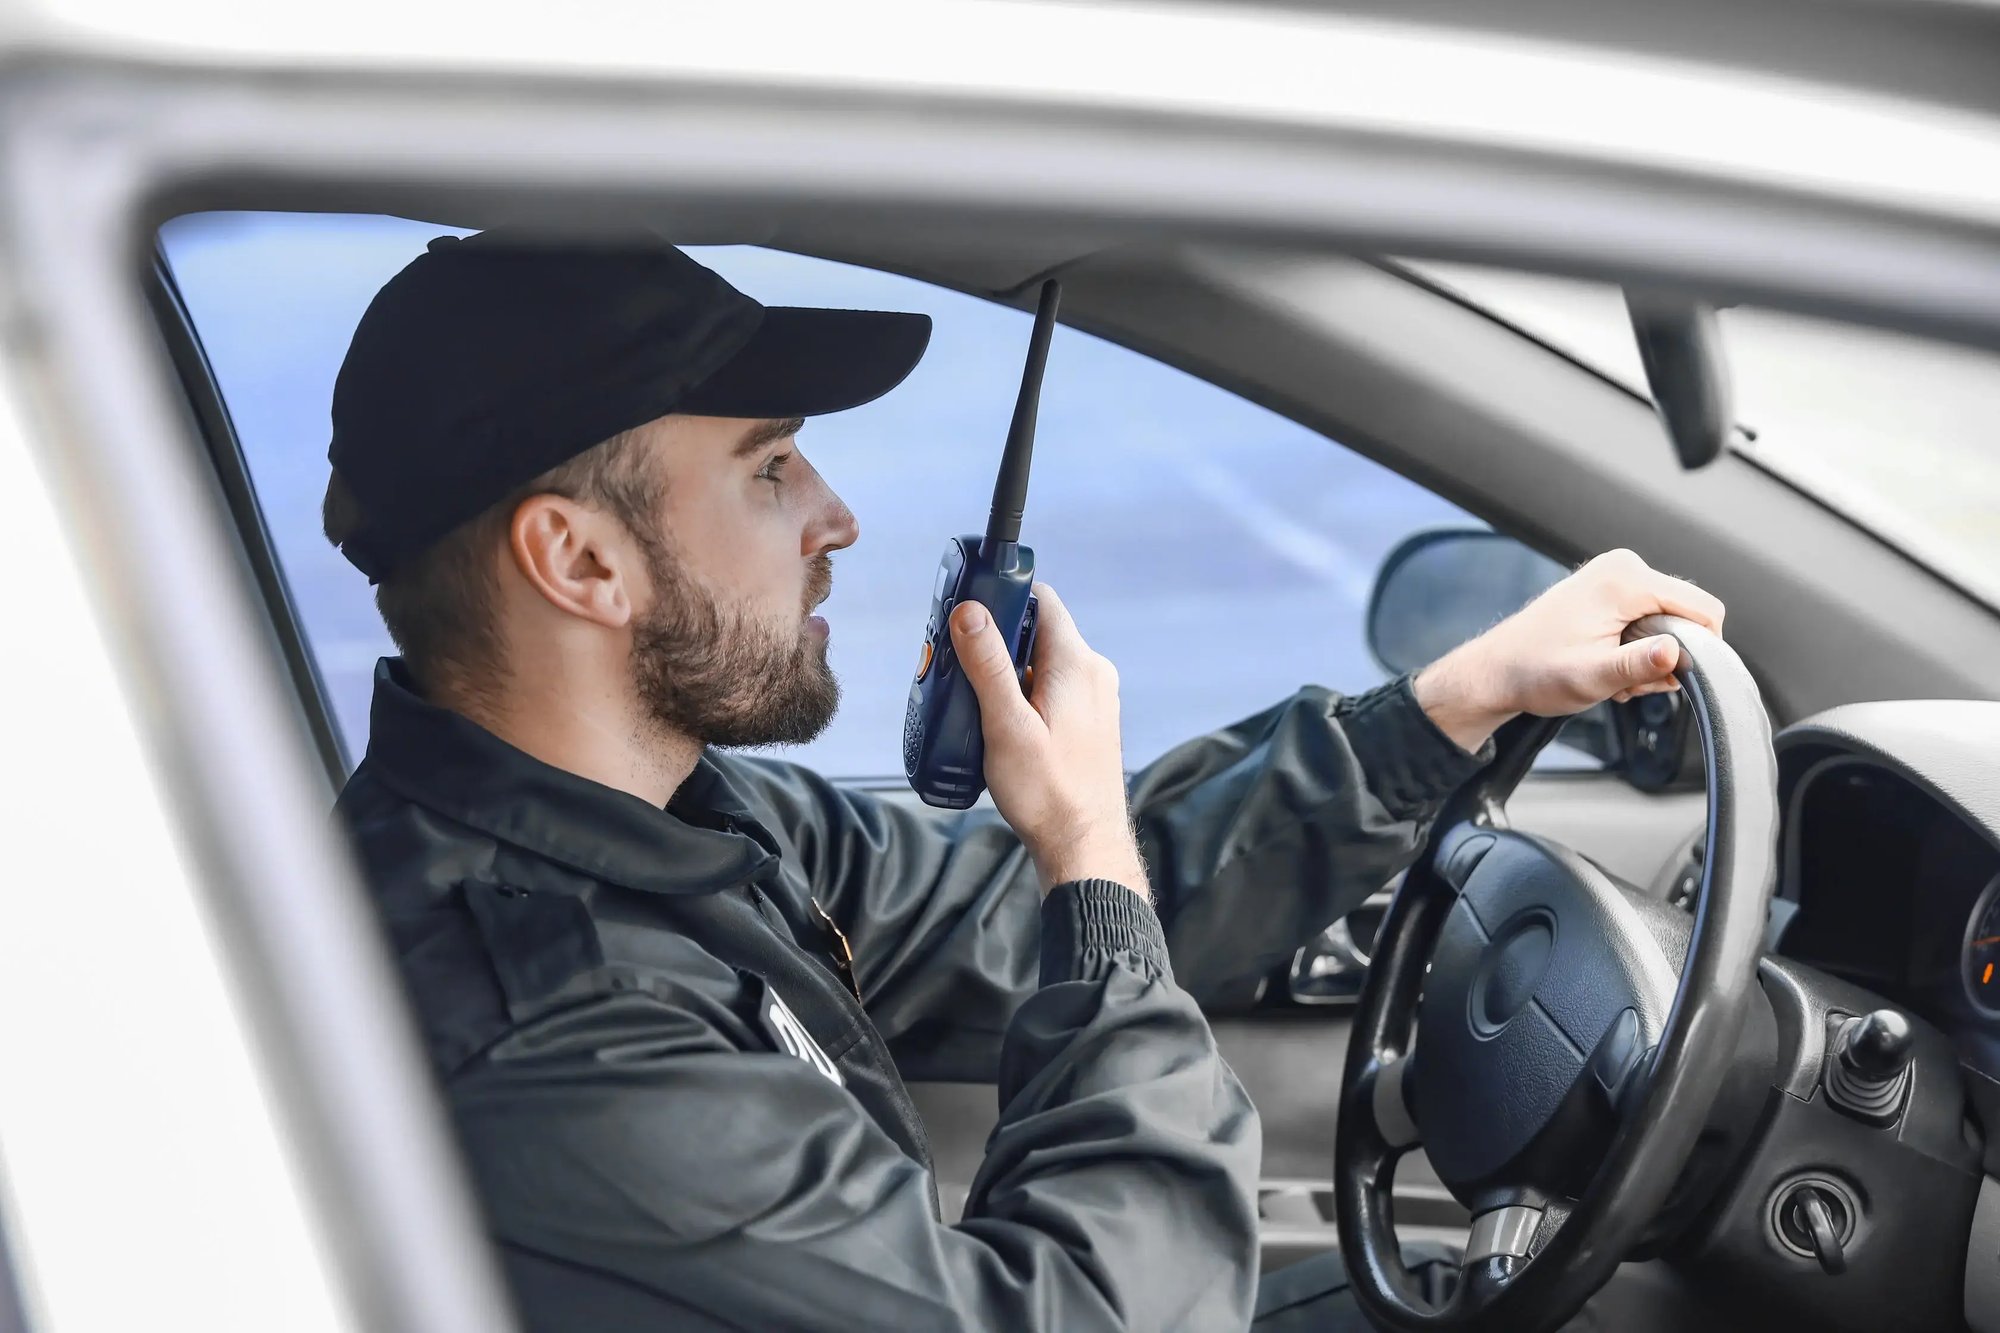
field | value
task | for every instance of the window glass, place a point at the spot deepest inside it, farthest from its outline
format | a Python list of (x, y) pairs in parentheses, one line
[(1889, 429), (1220, 554)]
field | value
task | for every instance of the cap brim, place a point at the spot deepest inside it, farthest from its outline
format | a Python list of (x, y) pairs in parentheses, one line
[(807, 362)]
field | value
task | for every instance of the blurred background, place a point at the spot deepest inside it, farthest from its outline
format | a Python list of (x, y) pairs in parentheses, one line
[(1188, 529), (1219, 553)]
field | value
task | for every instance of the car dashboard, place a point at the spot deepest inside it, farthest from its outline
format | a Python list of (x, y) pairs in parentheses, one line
[(1891, 884), (1884, 917)]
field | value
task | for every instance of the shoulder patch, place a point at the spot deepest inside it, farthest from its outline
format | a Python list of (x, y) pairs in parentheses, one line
[(790, 1035)]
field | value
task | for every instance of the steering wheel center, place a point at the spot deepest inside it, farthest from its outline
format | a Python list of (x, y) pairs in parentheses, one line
[(1548, 985), (1510, 970)]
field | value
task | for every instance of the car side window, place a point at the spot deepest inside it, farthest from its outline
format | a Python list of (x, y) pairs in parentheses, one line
[(1220, 554)]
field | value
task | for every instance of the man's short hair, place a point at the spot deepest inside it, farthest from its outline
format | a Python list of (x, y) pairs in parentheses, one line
[(440, 606)]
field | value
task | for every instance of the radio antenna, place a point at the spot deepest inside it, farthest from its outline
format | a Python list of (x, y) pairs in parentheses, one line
[(1010, 491)]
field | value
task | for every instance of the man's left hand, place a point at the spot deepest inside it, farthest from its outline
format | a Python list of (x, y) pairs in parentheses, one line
[(1565, 651)]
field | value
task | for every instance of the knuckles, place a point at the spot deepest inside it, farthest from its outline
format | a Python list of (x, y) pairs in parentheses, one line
[(1090, 670), (1617, 565)]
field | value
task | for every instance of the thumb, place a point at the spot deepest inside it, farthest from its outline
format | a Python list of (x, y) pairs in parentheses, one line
[(1643, 662), (989, 666)]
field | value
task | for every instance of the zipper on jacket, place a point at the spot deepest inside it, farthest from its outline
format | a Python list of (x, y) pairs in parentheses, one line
[(843, 956), (872, 1047)]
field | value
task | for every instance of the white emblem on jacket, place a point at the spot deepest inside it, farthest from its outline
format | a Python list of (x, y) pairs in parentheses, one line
[(791, 1035)]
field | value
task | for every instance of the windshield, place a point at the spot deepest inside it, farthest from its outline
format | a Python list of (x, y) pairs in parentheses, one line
[(1895, 432)]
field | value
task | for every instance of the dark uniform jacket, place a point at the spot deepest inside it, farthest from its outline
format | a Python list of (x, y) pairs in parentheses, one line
[(684, 1109)]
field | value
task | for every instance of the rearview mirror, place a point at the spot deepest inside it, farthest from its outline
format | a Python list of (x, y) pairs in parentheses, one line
[(1682, 352), (1440, 588)]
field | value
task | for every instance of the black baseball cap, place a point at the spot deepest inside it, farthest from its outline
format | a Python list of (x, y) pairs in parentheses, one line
[(493, 358)]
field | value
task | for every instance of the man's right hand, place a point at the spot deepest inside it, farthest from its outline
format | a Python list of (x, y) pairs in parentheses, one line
[(1053, 759)]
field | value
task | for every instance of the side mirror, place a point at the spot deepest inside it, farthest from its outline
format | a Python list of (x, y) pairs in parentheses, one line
[(1440, 588)]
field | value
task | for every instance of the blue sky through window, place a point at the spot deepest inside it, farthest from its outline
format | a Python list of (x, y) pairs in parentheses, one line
[(1220, 554)]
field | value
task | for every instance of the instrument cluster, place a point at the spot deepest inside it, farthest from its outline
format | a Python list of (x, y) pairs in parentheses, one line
[(1896, 892)]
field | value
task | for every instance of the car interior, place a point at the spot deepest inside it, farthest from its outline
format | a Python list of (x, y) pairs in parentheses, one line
[(1887, 826)]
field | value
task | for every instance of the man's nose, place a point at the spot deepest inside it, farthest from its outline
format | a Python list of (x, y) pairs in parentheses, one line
[(842, 528), (834, 528)]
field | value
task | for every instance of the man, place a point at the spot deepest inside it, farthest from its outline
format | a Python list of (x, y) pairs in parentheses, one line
[(672, 992)]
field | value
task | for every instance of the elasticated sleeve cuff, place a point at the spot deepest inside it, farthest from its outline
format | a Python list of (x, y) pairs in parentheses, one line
[(1090, 926), (1410, 762)]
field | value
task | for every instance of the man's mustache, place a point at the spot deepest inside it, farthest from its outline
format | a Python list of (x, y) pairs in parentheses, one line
[(819, 582)]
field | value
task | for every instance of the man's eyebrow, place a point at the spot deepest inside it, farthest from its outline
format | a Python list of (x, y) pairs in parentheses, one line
[(767, 432)]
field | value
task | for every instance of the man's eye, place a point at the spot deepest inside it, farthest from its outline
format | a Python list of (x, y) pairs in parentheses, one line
[(774, 467)]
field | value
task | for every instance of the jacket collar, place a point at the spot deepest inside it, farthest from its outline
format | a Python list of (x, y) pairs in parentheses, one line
[(706, 838)]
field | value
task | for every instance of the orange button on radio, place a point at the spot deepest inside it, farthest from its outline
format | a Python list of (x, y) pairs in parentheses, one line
[(924, 662)]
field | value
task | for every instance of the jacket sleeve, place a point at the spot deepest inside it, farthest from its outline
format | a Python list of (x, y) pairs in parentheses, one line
[(1257, 836), (644, 1169)]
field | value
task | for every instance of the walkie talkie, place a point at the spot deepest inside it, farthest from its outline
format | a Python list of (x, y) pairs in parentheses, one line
[(944, 752)]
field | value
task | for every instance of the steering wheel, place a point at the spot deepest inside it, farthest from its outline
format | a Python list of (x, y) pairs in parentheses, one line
[(1573, 1031)]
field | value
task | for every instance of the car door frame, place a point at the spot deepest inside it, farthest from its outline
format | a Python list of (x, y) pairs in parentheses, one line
[(93, 155), (217, 430)]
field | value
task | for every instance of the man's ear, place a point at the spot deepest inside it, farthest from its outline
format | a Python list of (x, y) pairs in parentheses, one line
[(574, 557)]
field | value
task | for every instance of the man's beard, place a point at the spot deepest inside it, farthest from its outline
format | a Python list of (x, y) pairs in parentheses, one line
[(717, 675)]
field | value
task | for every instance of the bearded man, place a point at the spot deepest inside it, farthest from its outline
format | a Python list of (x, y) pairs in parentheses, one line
[(672, 992)]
